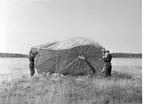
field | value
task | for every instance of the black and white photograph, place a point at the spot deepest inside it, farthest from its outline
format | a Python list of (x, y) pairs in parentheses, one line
[(71, 52)]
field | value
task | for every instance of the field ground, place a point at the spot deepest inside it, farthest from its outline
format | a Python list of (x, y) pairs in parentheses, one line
[(124, 87)]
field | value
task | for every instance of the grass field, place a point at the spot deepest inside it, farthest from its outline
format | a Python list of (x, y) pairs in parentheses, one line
[(124, 87)]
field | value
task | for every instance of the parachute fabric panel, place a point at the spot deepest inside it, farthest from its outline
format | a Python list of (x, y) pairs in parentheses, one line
[(73, 56)]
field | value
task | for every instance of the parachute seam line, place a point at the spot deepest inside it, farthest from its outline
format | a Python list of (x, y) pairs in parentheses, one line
[(85, 69), (46, 61), (87, 49), (83, 65), (95, 59), (66, 57), (77, 49), (86, 66), (54, 65), (74, 50), (72, 70), (92, 53), (88, 52), (65, 64), (81, 70), (46, 54), (90, 56), (78, 64), (91, 66), (68, 64), (82, 49)]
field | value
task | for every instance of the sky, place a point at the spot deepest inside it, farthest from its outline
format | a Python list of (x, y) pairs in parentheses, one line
[(115, 24)]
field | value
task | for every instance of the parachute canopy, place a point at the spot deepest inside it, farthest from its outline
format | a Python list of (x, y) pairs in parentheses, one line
[(69, 57)]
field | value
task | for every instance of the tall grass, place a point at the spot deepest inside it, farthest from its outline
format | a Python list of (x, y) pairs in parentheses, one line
[(121, 88)]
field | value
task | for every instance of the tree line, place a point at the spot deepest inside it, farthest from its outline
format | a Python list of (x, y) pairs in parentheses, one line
[(114, 55), (126, 55), (13, 55)]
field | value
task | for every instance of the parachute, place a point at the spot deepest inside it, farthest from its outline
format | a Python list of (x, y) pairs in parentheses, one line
[(70, 57)]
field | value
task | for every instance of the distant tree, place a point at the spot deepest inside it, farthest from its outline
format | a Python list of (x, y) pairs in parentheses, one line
[(114, 55), (126, 55), (13, 55)]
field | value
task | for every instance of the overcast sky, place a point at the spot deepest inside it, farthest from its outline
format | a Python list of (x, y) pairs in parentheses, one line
[(115, 24)]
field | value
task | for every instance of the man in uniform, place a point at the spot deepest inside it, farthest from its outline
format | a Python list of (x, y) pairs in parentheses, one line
[(31, 59), (107, 57)]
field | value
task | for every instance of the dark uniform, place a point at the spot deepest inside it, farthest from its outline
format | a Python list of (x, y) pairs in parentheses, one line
[(31, 59), (107, 65)]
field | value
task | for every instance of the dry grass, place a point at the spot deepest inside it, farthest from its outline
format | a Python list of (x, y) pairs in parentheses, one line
[(119, 89), (124, 87)]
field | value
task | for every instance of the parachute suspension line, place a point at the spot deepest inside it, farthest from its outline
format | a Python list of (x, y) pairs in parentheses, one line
[(92, 68), (74, 50), (68, 64), (95, 58), (64, 64), (78, 64), (83, 65), (86, 67), (54, 65), (87, 49), (65, 60), (94, 54), (47, 61), (79, 49), (82, 69)]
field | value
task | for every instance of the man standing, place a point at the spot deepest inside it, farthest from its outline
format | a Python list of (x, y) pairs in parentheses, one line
[(107, 57), (31, 59)]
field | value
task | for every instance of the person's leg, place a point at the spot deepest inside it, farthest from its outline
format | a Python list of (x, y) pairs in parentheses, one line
[(108, 70), (32, 70)]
